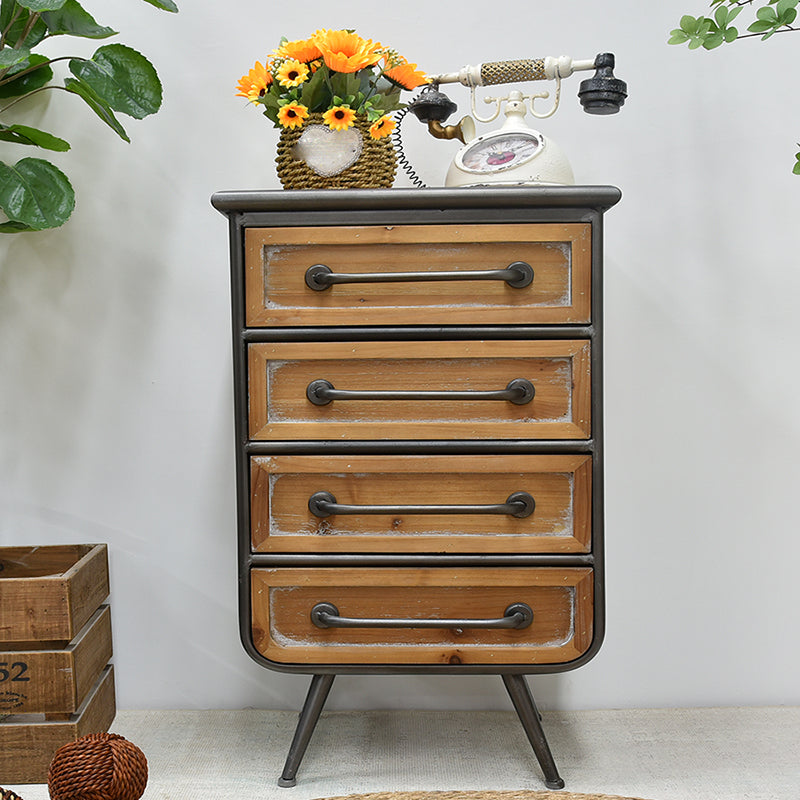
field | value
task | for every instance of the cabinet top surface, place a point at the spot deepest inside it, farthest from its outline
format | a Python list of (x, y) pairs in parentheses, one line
[(596, 197)]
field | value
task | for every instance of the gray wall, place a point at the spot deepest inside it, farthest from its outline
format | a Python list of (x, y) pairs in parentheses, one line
[(116, 407)]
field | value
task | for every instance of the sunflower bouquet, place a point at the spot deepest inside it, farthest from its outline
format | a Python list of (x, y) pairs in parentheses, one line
[(335, 73)]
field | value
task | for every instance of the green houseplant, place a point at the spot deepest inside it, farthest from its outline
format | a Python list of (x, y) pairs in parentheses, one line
[(34, 193), (771, 17)]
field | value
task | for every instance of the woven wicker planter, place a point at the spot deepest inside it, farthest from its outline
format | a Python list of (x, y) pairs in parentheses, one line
[(375, 167)]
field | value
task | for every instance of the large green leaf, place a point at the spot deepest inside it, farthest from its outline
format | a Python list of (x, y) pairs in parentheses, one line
[(11, 56), (12, 86), (35, 193), (122, 78), (164, 5), (23, 134), (97, 104), (73, 20), (41, 5), (8, 11)]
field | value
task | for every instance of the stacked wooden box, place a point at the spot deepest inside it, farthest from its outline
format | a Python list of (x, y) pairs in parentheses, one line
[(56, 684)]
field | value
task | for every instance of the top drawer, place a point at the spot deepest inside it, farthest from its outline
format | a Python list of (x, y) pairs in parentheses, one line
[(277, 260)]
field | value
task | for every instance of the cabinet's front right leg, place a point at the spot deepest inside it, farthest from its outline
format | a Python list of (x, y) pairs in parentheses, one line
[(315, 700), (522, 699)]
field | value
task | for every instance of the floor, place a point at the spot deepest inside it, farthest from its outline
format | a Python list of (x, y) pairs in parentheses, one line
[(675, 754)]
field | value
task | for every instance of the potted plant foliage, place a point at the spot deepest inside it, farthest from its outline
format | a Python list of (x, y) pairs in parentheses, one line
[(34, 193)]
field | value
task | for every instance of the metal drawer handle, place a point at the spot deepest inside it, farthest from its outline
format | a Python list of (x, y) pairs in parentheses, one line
[(518, 504), (321, 392), (517, 275), (326, 615)]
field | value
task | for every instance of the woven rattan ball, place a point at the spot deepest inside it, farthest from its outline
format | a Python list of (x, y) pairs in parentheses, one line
[(7, 794), (100, 766)]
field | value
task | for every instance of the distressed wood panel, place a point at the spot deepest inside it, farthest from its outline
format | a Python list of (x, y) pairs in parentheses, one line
[(276, 260), (281, 372), (561, 600), (27, 746), (55, 680), (281, 486), (49, 593)]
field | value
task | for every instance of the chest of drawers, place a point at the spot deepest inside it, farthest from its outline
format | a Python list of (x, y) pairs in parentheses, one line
[(418, 379)]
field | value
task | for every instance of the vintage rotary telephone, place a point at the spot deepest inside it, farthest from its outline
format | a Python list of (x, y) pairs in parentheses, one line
[(515, 154)]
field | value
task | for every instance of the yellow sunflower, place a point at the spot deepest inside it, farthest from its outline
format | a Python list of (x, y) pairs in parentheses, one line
[(382, 127), (300, 50), (292, 73), (344, 51), (339, 118), (255, 83), (292, 115), (406, 75)]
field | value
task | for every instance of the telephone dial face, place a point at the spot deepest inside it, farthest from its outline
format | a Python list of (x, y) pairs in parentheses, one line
[(499, 151)]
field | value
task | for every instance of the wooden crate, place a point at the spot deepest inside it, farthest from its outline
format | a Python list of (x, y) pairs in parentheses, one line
[(28, 742), (55, 681), (47, 594), (55, 643)]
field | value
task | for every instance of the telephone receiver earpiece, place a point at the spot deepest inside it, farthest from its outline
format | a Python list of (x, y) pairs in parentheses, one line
[(603, 93)]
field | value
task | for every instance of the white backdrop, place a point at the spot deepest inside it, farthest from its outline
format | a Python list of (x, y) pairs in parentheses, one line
[(116, 402)]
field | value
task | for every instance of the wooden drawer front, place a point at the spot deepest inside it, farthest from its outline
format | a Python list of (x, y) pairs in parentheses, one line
[(276, 261), (280, 374), (283, 599), (559, 485)]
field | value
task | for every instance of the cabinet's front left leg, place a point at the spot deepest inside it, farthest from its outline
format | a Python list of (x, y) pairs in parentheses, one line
[(522, 699), (315, 700)]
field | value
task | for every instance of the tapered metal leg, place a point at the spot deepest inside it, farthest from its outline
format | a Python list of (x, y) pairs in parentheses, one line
[(521, 697), (315, 700)]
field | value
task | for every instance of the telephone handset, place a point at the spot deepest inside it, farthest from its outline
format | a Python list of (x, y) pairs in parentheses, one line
[(515, 154)]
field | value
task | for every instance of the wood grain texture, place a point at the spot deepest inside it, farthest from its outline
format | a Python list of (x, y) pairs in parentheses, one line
[(561, 600), (50, 593), (276, 260), (560, 485), (279, 374), (56, 681), (27, 746)]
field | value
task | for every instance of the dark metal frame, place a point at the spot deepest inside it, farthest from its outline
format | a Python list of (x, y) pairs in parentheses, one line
[(397, 207)]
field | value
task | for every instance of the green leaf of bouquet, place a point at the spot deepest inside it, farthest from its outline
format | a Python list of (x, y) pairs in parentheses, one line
[(9, 10), (41, 5), (35, 193), (315, 94), (123, 78), (11, 86), (11, 56), (713, 40), (689, 24), (345, 83), (97, 104), (731, 34), (164, 5), (272, 115), (22, 134), (73, 20), (767, 14)]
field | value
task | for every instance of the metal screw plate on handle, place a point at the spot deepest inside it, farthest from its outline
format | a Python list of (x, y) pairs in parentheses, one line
[(517, 275), (326, 615), (517, 504), (320, 392)]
